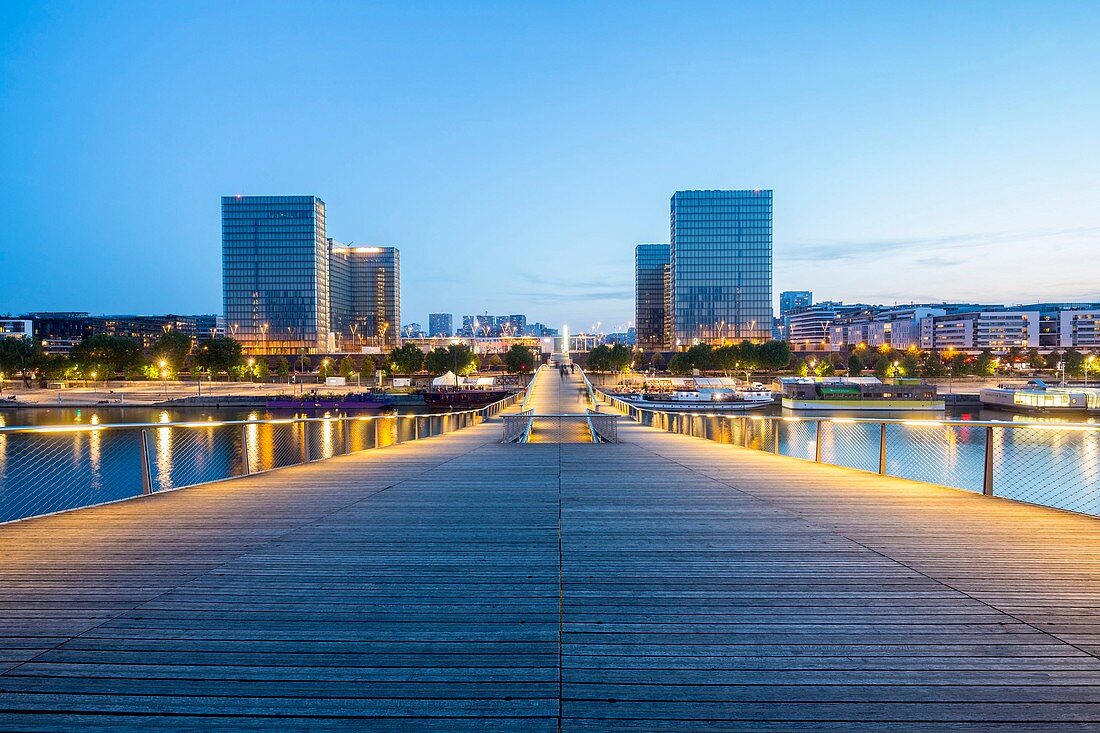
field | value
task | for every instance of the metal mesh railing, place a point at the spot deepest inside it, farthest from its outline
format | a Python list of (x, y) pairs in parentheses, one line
[(50, 469), (1050, 465), (1053, 464)]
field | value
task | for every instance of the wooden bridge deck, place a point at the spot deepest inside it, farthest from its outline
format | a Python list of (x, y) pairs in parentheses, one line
[(455, 584)]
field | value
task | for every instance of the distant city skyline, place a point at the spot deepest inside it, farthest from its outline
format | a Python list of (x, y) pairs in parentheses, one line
[(519, 155)]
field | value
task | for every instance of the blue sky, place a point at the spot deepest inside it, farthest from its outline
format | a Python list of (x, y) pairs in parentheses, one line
[(517, 152)]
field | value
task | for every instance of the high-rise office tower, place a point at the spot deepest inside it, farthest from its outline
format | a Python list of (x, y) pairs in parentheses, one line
[(650, 263), (790, 300), (721, 266), (366, 295), (275, 272), (440, 324)]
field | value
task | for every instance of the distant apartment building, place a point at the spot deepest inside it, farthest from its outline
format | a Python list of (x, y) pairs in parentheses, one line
[(413, 331), (651, 278), (811, 328), (58, 332), (789, 302), (1079, 329), (441, 324), (792, 300), (977, 330), (897, 327), (721, 265), (20, 328)]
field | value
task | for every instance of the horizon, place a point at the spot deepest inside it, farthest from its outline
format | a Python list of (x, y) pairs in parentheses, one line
[(516, 156)]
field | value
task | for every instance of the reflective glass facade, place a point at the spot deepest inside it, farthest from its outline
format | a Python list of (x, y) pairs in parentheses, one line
[(721, 266), (275, 272), (365, 295), (650, 263)]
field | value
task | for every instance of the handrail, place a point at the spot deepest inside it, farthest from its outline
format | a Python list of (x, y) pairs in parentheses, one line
[(263, 421), (870, 420), (1045, 463)]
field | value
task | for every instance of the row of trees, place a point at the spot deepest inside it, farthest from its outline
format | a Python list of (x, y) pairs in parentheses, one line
[(457, 358), (885, 362), (743, 357)]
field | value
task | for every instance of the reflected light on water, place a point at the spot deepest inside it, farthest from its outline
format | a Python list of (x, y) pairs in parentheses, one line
[(164, 455)]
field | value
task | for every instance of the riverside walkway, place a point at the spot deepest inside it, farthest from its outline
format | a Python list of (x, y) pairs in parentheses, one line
[(662, 583)]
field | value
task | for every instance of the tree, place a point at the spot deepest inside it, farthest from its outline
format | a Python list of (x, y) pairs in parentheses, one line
[(519, 359), (368, 365), (910, 366), (107, 355), (619, 358), (985, 365), (773, 355), (437, 361), (855, 365), (219, 354), (657, 362), (932, 365), (599, 358), (406, 359), (19, 356), (282, 368), (883, 367), (172, 348), (261, 369), (347, 368), (326, 369), (1035, 360)]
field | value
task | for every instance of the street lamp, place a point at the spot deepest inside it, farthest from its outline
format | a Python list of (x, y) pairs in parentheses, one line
[(164, 376), (251, 372), (1088, 363), (896, 364)]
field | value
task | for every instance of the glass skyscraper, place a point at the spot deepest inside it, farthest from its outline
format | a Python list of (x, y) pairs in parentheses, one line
[(365, 295), (275, 272), (650, 263), (721, 266)]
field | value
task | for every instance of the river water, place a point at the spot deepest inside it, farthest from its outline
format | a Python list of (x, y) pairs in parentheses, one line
[(1052, 464)]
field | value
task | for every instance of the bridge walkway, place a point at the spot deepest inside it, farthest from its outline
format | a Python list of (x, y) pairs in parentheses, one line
[(551, 394), (663, 583)]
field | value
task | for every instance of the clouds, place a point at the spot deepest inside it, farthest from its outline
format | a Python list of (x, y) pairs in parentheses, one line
[(837, 250)]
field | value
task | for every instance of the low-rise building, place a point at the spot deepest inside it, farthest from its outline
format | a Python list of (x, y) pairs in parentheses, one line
[(978, 330), (22, 328)]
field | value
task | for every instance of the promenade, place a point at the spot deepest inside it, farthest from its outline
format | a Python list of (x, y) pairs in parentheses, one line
[(662, 583)]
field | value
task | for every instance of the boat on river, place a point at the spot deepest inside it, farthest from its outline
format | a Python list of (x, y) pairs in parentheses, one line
[(859, 393), (700, 394), (1038, 396), (348, 402)]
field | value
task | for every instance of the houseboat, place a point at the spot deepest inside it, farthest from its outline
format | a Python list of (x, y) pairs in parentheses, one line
[(858, 393), (449, 390), (1038, 396), (700, 394), (345, 402)]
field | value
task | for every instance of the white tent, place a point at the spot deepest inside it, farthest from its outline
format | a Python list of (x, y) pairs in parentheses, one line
[(447, 379)]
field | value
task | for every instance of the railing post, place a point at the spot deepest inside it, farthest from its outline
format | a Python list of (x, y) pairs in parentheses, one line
[(416, 427), (817, 441), (345, 425), (305, 441), (987, 478), (882, 449), (146, 471), (775, 435), (247, 467), (745, 430), (377, 427)]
